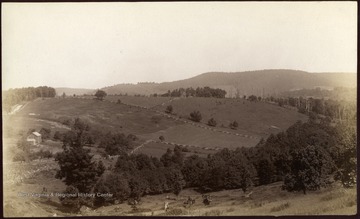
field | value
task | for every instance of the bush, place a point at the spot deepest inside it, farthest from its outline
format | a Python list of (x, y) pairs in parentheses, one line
[(19, 157), (57, 136), (234, 125), (212, 122), (252, 98), (45, 154), (45, 133), (100, 94), (156, 119), (71, 202), (169, 109), (195, 116)]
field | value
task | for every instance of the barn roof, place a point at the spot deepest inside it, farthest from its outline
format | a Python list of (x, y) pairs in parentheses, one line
[(37, 134)]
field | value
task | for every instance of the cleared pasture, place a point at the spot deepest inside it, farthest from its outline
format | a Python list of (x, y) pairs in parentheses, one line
[(256, 120), (140, 101), (101, 115), (253, 117)]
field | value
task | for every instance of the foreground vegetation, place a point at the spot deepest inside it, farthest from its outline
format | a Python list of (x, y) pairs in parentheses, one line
[(307, 157)]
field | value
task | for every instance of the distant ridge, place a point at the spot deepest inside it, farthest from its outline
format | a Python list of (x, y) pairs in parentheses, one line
[(260, 82), (72, 91)]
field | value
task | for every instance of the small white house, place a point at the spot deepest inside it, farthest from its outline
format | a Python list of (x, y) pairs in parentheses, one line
[(35, 138)]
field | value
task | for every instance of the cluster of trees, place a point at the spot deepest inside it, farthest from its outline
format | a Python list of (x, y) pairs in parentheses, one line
[(307, 156), (334, 109), (100, 94), (117, 143), (109, 143), (338, 93), (198, 92), (15, 96)]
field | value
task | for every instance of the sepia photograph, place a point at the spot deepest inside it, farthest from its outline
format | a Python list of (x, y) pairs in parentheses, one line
[(179, 109)]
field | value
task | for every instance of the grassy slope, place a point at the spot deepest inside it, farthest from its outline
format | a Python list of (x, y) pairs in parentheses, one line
[(101, 115), (140, 101), (255, 119), (266, 200)]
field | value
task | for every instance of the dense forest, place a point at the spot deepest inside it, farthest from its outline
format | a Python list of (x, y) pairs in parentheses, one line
[(15, 96), (306, 157)]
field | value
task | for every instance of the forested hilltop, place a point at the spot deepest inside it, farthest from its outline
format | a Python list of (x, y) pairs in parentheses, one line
[(259, 82)]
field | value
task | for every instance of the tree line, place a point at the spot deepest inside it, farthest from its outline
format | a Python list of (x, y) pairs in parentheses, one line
[(306, 157), (15, 96), (334, 109), (198, 92)]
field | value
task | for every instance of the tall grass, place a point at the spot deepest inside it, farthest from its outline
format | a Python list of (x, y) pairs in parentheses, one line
[(213, 213), (280, 207)]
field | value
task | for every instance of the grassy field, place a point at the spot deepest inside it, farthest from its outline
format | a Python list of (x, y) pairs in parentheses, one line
[(256, 120), (101, 115), (253, 117), (140, 101)]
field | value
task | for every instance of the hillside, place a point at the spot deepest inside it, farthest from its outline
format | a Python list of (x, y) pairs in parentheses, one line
[(148, 122), (256, 120), (72, 91), (262, 82)]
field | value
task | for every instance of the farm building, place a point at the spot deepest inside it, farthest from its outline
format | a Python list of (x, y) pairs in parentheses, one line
[(34, 137)]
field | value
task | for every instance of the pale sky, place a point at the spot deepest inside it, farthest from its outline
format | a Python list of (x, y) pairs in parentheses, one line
[(92, 45)]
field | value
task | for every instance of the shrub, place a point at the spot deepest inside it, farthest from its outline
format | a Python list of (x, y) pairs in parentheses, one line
[(19, 157), (100, 94), (57, 136), (169, 109), (195, 116), (234, 125), (212, 122), (45, 154), (156, 119), (71, 201), (45, 133)]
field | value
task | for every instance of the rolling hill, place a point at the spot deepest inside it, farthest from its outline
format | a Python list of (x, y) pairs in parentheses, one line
[(71, 91), (261, 82), (145, 117)]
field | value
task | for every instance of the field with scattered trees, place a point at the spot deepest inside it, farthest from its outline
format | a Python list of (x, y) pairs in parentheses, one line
[(202, 156)]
